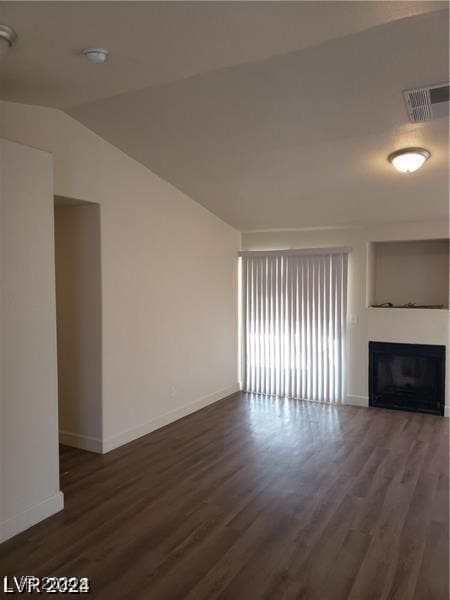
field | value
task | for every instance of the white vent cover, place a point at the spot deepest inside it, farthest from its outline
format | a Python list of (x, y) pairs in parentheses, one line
[(426, 103)]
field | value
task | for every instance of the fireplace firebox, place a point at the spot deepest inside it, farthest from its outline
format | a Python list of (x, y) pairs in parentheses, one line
[(407, 377)]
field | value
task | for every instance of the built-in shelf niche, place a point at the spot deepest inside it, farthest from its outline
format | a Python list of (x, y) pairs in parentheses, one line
[(409, 272)]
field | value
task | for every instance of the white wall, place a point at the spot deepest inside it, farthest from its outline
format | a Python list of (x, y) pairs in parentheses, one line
[(29, 489), (169, 309), (395, 325), (78, 309)]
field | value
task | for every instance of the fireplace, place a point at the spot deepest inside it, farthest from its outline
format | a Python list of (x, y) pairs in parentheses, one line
[(407, 377)]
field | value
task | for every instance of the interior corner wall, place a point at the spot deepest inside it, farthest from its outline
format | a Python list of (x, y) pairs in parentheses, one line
[(29, 484), (78, 310), (168, 279), (365, 323)]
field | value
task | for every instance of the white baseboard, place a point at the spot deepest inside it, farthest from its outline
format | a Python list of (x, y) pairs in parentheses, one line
[(355, 400), (31, 516), (136, 432), (83, 442)]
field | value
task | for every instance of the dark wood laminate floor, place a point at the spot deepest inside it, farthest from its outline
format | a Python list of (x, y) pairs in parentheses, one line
[(256, 498)]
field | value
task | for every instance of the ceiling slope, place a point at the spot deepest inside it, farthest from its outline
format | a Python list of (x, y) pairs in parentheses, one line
[(152, 43), (270, 114), (299, 139)]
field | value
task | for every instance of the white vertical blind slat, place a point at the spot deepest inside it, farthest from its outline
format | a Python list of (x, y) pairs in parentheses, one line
[(252, 327), (258, 296), (295, 324)]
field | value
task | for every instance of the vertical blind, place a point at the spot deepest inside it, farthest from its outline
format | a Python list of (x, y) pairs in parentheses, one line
[(294, 323)]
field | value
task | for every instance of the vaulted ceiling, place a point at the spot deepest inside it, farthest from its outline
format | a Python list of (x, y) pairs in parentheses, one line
[(270, 114)]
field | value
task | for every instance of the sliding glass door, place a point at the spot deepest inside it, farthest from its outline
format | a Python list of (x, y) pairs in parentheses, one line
[(294, 323)]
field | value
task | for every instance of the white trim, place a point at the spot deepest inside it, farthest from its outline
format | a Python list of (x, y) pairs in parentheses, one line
[(83, 442), (364, 225), (136, 432), (297, 252), (312, 228), (355, 400), (31, 515)]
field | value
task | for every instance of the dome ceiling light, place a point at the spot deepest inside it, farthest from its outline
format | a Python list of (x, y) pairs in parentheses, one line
[(7, 38), (96, 55), (408, 160)]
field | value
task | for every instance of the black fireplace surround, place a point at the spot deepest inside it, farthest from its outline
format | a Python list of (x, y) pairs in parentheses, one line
[(407, 377)]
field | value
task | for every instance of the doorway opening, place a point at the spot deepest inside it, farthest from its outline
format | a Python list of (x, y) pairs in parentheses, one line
[(78, 316)]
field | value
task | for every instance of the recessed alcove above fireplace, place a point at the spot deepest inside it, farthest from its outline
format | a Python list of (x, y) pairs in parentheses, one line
[(407, 376), (409, 274)]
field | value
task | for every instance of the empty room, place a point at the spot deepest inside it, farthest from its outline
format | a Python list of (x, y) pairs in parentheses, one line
[(224, 300)]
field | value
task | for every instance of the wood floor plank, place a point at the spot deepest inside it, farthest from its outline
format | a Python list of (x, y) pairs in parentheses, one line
[(255, 498)]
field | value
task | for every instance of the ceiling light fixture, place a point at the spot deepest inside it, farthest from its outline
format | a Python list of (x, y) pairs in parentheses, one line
[(96, 55), (7, 38), (408, 160)]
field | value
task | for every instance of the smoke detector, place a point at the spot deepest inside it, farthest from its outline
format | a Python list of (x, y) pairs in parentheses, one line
[(96, 55), (426, 103)]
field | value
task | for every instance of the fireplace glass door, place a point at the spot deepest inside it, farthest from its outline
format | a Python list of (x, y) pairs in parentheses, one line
[(407, 376)]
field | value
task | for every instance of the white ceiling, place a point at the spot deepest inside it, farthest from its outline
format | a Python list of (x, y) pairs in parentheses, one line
[(270, 114)]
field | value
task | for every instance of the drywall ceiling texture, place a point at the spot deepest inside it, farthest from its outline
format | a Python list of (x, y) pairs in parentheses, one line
[(271, 115), (154, 43), (297, 140)]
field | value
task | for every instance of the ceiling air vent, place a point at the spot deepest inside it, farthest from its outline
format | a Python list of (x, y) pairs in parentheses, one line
[(426, 103)]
